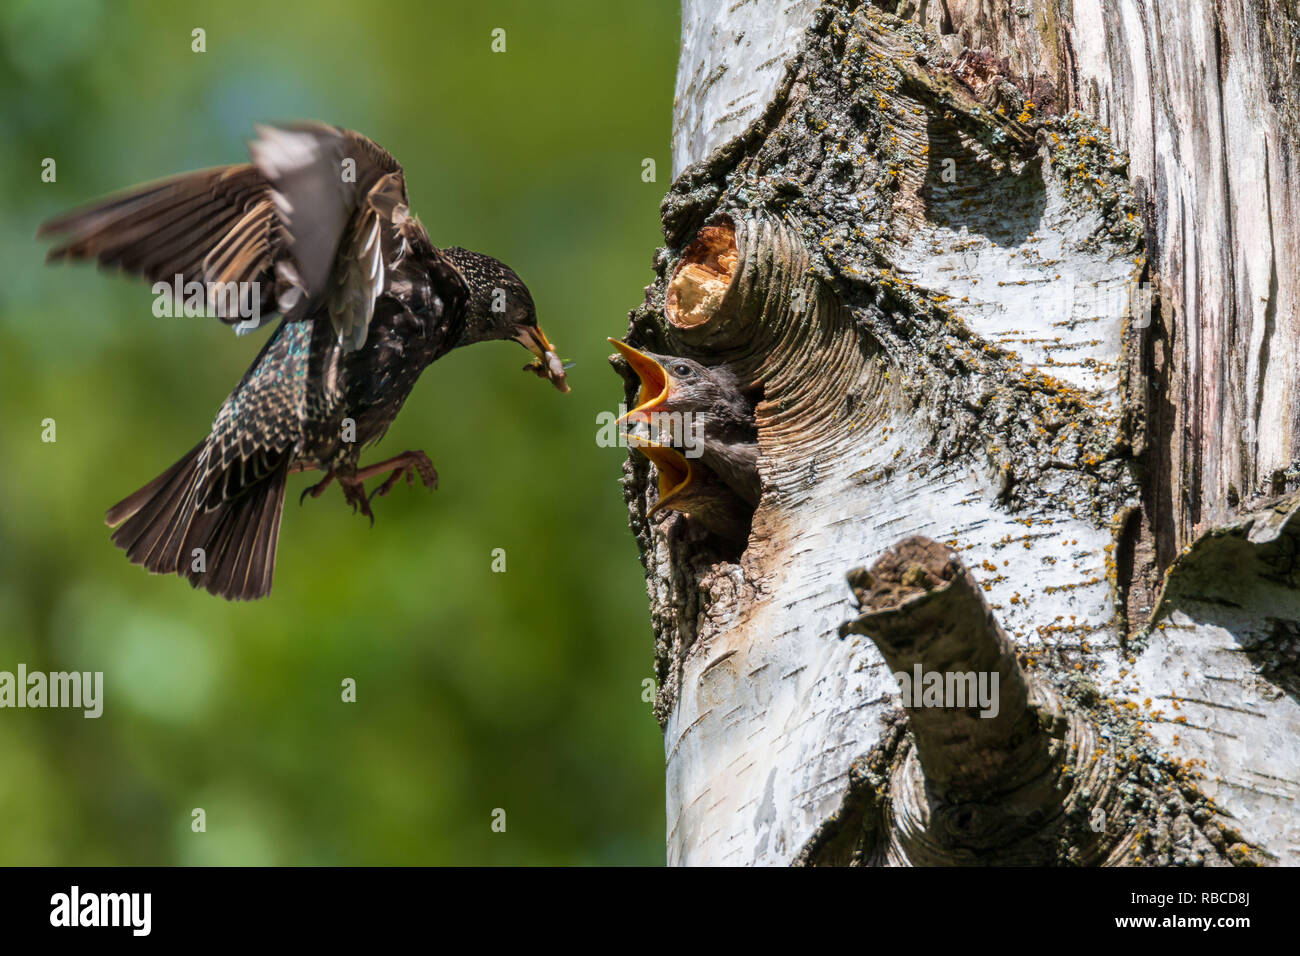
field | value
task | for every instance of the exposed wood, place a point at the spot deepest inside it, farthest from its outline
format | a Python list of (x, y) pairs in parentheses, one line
[(702, 277)]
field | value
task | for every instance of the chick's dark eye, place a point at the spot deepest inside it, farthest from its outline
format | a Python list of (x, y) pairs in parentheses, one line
[(682, 370)]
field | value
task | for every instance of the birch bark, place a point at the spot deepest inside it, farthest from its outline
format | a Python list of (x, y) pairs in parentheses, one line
[(1018, 277)]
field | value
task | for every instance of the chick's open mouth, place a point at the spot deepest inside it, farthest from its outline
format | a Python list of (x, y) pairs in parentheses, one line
[(675, 472), (656, 383)]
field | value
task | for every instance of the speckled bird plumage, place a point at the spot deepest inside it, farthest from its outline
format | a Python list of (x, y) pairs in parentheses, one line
[(367, 302)]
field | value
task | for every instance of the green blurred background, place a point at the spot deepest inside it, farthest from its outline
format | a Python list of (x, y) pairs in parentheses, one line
[(476, 691)]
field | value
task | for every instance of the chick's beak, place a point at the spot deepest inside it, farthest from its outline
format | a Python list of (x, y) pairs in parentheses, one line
[(675, 471), (656, 383), (547, 364)]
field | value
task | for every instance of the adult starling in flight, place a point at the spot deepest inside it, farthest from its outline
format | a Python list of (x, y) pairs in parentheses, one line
[(316, 228), (702, 409)]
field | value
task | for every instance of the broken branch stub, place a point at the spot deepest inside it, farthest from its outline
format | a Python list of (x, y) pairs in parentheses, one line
[(1025, 777), (998, 778), (930, 621), (743, 292)]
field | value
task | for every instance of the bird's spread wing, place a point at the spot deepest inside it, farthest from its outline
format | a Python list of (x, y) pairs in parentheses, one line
[(339, 193), (212, 226), (308, 220)]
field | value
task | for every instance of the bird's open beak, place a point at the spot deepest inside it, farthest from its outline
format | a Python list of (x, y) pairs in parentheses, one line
[(656, 383), (547, 364), (675, 472)]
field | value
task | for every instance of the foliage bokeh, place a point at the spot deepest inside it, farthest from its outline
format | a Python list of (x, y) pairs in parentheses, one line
[(476, 690)]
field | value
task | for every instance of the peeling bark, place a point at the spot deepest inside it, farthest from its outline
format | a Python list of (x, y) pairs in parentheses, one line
[(988, 297)]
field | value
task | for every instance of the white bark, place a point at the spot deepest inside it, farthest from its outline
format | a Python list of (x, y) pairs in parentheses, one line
[(771, 707), (1203, 96)]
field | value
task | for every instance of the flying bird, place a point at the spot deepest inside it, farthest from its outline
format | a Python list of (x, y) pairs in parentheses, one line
[(316, 229), (702, 408)]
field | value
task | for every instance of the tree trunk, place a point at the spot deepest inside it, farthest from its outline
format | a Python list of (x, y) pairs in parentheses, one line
[(1016, 280)]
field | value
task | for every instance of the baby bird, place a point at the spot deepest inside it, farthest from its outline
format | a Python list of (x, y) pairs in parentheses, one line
[(687, 486), (700, 410), (702, 440)]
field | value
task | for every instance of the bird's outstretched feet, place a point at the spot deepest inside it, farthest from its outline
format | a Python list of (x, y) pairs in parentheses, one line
[(408, 463)]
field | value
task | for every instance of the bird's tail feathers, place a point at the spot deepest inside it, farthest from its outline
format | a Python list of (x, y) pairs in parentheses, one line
[(228, 548)]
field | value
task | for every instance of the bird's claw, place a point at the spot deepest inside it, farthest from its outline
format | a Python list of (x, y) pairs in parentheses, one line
[(317, 489), (424, 468), (414, 463), (408, 464), (354, 493)]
